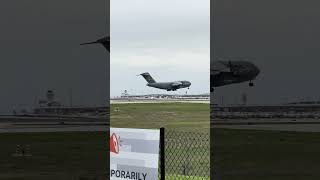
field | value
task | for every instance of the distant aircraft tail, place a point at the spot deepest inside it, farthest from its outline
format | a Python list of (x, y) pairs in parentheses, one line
[(104, 41), (148, 77)]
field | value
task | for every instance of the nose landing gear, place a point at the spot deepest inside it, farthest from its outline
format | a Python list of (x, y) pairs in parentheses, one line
[(251, 84)]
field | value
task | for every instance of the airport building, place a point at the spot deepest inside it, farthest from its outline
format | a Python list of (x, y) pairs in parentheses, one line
[(50, 106)]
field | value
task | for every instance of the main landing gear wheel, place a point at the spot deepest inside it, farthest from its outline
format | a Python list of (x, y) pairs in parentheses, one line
[(251, 84)]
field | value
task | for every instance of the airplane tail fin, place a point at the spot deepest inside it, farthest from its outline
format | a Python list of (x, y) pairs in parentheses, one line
[(148, 77)]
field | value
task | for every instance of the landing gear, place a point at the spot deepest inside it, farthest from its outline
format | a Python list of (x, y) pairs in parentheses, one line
[(251, 84), (211, 89)]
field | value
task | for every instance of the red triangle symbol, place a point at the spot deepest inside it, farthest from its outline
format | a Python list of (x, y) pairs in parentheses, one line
[(114, 144)]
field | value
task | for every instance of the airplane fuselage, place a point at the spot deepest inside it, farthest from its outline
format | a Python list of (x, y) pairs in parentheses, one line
[(170, 86), (228, 78), (243, 71)]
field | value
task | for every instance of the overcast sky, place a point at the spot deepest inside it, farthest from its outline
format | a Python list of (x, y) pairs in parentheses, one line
[(170, 39), (39, 42), (281, 36)]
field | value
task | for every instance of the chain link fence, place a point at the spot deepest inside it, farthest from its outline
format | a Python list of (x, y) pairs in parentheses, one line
[(187, 155)]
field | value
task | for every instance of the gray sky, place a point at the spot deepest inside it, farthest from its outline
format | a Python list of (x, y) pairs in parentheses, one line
[(170, 39), (39, 42), (39, 47), (283, 38)]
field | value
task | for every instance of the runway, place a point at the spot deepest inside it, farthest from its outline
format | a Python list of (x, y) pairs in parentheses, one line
[(14, 124), (139, 101), (299, 125), (302, 118), (277, 127)]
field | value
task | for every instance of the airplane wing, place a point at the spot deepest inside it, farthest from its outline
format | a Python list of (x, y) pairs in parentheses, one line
[(176, 84), (218, 67)]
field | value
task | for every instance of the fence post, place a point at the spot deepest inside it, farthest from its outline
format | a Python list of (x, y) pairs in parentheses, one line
[(162, 155)]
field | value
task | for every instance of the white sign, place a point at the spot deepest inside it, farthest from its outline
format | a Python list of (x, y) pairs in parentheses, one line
[(134, 154)]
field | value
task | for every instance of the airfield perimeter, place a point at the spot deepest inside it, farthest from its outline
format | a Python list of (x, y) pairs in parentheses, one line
[(83, 155), (238, 153), (275, 152)]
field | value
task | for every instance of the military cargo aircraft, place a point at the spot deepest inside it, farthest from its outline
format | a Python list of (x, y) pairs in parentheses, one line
[(229, 72), (169, 86), (105, 41)]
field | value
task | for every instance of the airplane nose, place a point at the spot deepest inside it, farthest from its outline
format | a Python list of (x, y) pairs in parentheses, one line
[(256, 71)]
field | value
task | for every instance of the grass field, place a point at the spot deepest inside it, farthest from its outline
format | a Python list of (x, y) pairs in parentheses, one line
[(179, 177), (83, 155), (187, 133), (238, 154), (183, 116), (54, 156), (265, 155)]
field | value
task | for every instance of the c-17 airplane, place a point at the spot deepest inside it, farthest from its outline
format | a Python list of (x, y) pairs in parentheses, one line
[(169, 86), (105, 41), (229, 72)]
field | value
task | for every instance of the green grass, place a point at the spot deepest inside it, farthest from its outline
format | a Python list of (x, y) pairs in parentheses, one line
[(54, 156), (83, 155), (184, 155), (183, 116), (75, 156), (180, 177), (237, 154), (187, 153), (264, 155)]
